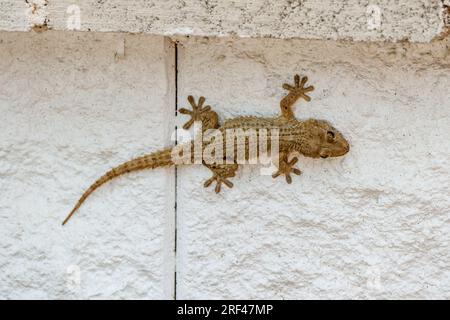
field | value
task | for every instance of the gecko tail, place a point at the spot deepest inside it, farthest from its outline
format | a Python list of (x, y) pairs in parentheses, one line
[(154, 160)]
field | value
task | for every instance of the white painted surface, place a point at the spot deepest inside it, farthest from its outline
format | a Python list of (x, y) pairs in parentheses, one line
[(70, 111), (377, 20), (14, 15), (373, 224)]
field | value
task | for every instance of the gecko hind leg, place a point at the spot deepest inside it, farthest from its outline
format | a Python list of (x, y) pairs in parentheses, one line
[(204, 114), (221, 173), (296, 91), (287, 167)]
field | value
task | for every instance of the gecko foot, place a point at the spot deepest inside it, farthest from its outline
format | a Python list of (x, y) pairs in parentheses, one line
[(221, 173), (296, 92), (219, 181), (299, 89), (197, 111), (286, 168)]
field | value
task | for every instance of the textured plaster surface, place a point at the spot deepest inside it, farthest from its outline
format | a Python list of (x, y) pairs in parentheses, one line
[(374, 224), (385, 20), (13, 15), (73, 106)]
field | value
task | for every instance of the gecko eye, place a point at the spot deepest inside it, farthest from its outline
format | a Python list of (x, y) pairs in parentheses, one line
[(330, 136)]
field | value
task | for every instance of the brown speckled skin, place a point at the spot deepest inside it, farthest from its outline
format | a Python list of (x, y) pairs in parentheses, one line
[(312, 138)]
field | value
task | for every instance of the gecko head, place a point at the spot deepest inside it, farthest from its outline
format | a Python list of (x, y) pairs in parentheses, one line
[(323, 140)]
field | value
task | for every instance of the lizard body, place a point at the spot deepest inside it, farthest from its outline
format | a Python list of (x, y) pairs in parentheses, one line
[(311, 137)]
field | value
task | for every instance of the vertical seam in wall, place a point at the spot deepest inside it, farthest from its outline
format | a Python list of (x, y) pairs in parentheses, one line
[(176, 175)]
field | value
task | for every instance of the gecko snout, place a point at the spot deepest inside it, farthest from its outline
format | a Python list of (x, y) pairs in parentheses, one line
[(343, 149), (340, 147), (335, 146)]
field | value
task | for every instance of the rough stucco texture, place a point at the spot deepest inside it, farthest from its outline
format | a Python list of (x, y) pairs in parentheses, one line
[(73, 106), (13, 15), (386, 20), (374, 224)]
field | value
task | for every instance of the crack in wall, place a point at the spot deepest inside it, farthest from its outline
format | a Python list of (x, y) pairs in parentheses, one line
[(176, 174)]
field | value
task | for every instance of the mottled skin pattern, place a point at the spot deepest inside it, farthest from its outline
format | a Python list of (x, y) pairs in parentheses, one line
[(312, 138)]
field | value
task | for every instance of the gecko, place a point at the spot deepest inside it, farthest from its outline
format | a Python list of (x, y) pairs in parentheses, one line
[(311, 138)]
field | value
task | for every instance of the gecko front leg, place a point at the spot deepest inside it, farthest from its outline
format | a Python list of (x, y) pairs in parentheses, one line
[(295, 92), (221, 173), (208, 118), (286, 167)]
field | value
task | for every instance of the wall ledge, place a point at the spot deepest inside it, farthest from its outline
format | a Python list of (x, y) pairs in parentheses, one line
[(355, 20)]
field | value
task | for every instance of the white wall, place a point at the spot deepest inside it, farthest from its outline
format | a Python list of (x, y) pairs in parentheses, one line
[(71, 111), (373, 224)]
